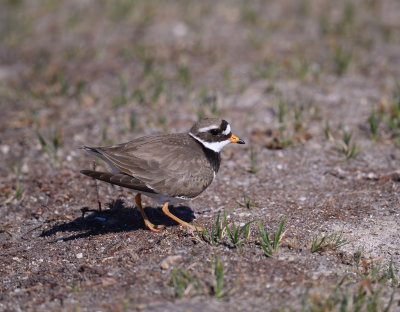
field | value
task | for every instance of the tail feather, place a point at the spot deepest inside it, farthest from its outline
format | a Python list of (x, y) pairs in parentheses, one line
[(120, 179), (91, 150), (95, 152)]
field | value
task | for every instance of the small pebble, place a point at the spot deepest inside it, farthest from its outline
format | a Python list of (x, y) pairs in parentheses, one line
[(25, 168), (167, 262), (5, 149), (79, 255)]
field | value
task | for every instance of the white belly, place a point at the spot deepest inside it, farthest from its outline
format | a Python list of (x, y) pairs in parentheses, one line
[(161, 199)]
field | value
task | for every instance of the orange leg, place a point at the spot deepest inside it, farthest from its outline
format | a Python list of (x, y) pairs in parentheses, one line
[(169, 214), (147, 223)]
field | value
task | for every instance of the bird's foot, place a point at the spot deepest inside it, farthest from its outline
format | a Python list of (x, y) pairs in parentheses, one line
[(152, 227)]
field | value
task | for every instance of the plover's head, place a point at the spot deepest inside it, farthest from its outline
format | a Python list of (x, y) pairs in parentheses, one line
[(214, 133)]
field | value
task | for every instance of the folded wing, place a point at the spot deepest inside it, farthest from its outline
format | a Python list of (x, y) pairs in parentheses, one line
[(170, 167)]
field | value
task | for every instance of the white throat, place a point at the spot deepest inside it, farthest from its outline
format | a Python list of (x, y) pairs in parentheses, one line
[(214, 146)]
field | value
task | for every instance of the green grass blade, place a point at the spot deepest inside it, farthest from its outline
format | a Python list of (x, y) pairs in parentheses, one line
[(228, 229), (42, 142), (278, 234)]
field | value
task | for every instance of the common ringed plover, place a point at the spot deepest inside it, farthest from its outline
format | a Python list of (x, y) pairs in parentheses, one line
[(170, 168)]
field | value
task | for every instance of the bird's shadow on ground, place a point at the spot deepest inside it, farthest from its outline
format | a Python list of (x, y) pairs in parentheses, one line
[(116, 218)]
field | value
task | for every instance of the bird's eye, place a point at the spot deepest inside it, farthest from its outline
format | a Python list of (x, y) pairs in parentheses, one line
[(214, 131)]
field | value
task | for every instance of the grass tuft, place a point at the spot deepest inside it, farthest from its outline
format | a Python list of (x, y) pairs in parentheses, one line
[(363, 292), (373, 121), (218, 287), (50, 150), (184, 75), (385, 121), (158, 86), (122, 98), (132, 121), (328, 241), (327, 130), (247, 202), (348, 148), (253, 159), (183, 283), (215, 235), (341, 60), (238, 234), (18, 191), (269, 245)]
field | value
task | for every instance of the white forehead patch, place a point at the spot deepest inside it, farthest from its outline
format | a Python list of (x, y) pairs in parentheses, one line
[(214, 146), (227, 130), (205, 129)]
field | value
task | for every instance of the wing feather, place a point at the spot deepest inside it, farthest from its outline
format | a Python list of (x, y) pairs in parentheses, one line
[(163, 163), (120, 179)]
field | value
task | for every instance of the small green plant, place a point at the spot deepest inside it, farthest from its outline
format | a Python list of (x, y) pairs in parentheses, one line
[(80, 87), (392, 273), (347, 148), (373, 121), (125, 306), (349, 13), (218, 272), (75, 289), (18, 190), (266, 71), (282, 109), (146, 57), (269, 245), (332, 241), (55, 145), (132, 121), (105, 140), (184, 75), (214, 235), (291, 126), (358, 255), (349, 295), (327, 130), (247, 202), (301, 68), (122, 98), (43, 143), (253, 159), (392, 114), (162, 121), (376, 274), (249, 16), (341, 60), (16, 167), (298, 123), (360, 292), (120, 9), (158, 86), (183, 282), (61, 82), (139, 96), (238, 234)]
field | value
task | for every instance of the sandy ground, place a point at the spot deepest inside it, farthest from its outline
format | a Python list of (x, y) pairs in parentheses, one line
[(293, 78)]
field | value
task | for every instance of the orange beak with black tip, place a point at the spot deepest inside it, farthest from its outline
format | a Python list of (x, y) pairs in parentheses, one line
[(235, 139)]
